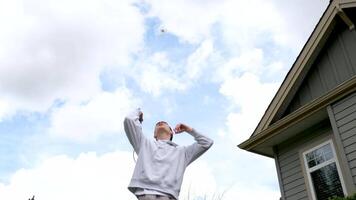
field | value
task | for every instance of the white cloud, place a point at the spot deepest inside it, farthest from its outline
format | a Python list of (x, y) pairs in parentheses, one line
[(201, 181), (198, 60), (155, 82), (57, 49), (88, 177), (157, 74), (296, 28), (246, 23), (248, 61), (235, 171), (241, 82), (3, 109), (198, 181), (243, 24), (102, 115), (252, 97), (191, 21)]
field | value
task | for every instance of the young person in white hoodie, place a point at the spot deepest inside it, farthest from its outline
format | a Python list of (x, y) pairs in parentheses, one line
[(161, 163)]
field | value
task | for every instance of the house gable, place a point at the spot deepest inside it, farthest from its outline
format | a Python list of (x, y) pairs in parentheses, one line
[(334, 16), (335, 64), (331, 47)]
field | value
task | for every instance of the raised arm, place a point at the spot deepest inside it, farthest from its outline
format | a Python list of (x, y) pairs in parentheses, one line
[(200, 146), (133, 129)]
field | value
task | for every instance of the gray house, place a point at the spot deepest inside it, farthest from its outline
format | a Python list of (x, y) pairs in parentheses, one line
[(309, 127)]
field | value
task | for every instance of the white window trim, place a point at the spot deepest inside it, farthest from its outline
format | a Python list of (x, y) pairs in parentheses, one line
[(334, 159)]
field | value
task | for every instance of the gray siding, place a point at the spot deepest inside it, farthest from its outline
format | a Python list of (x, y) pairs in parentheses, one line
[(290, 163), (292, 177), (335, 64), (344, 113)]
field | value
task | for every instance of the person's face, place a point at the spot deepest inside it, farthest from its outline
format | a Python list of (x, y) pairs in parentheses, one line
[(162, 127)]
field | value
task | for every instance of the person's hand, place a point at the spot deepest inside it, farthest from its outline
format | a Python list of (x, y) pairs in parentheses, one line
[(140, 117), (181, 128)]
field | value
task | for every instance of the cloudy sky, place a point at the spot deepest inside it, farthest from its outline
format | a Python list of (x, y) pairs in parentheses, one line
[(70, 71)]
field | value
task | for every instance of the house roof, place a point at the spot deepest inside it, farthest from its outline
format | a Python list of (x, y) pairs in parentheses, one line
[(271, 121)]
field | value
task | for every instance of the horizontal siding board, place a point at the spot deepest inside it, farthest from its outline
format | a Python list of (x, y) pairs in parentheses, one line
[(286, 154), (294, 184), (299, 196), (346, 112), (351, 156), (293, 177), (350, 141), (291, 172), (345, 103), (291, 166), (350, 149), (348, 126), (289, 161), (347, 119), (349, 133), (353, 172), (352, 163), (295, 190)]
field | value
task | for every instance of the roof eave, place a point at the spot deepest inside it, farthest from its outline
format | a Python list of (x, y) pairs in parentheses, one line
[(298, 116)]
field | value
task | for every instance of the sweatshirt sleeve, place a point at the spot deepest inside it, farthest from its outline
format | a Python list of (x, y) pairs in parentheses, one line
[(133, 130), (201, 145)]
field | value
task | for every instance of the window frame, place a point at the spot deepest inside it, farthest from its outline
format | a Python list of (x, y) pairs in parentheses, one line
[(314, 168)]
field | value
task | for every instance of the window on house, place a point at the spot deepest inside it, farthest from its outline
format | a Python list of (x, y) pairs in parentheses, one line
[(323, 172)]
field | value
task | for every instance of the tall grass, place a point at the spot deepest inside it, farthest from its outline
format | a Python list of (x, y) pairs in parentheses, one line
[(215, 196)]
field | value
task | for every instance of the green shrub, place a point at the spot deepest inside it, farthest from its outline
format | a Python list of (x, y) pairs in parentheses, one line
[(352, 197)]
